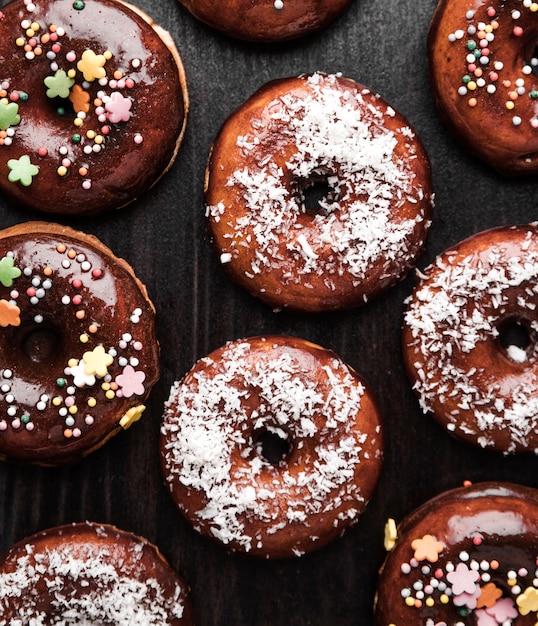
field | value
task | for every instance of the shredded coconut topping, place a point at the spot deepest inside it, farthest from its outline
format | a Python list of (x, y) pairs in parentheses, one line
[(341, 136), (210, 427), (87, 586), (454, 316)]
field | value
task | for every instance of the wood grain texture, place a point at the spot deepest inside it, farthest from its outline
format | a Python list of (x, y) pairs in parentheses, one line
[(163, 236)]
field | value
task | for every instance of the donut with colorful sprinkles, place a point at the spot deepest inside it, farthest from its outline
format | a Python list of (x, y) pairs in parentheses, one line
[(267, 20), (484, 75), (271, 446), (468, 556), (90, 573), (78, 350), (318, 194), (93, 104), (470, 339)]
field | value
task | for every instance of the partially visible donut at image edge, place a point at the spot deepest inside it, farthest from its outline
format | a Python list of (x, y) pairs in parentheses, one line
[(78, 350), (89, 573), (468, 556), (93, 104)]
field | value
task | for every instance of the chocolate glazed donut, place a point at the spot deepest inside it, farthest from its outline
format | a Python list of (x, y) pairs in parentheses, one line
[(93, 104), (267, 20), (483, 61), (90, 574), (78, 351), (467, 557)]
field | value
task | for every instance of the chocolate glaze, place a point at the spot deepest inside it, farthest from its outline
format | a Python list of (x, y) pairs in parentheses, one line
[(477, 524), (264, 21), (349, 262), (479, 390), (79, 571), (228, 489), (61, 320), (124, 167), (487, 129)]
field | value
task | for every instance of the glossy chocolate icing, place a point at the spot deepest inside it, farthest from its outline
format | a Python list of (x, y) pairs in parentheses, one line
[(91, 574), (130, 144), (77, 344), (267, 20), (488, 100), (487, 538)]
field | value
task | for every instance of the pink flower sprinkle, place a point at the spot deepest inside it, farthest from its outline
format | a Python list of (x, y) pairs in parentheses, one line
[(118, 108), (131, 381), (463, 579)]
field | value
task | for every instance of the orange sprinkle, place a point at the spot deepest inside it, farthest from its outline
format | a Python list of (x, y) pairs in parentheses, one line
[(72, 253), (45, 38), (80, 315), (61, 248), (38, 51), (3, 93), (28, 48), (68, 433), (114, 386), (494, 564), (92, 328), (472, 102), (513, 95), (47, 271), (507, 83), (418, 603), (98, 102), (478, 72), (83, 171), (53, 28), (118, 74), (495, 24)]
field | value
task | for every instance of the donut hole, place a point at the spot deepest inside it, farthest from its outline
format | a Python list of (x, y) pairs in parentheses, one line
[(517, 339), (273, 445), (317, 195), (42, 344)]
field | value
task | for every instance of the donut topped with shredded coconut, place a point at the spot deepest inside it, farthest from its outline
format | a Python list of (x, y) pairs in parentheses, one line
[(271, 446), (470, 339), (331, 137), (88, 574)]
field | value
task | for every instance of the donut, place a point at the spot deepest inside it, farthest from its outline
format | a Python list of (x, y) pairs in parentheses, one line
[(326, 136), (483, 61), (469, 338), (267, 20), (93, 104), (90, 573), (271, 446), (467, 556), (78, 351)]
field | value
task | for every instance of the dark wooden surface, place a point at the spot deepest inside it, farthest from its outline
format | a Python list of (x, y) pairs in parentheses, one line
[(383, 45)]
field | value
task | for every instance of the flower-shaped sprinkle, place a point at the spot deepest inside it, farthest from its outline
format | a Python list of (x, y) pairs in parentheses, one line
[(118, 107), (92, 65), (8, 271), (9, 314), (463, 579), (59, 85), (22, 170), (528, 601), (490, 593), (427, 548), (132, 416), (80, 378), (9, 114), (391, 534), (131, 381), (96, 362), (484, 619), (80, 99), (503, 611)]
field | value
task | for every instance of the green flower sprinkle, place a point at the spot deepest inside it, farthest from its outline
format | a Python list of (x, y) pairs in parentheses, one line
[(22, 170), (9, 114), (59, 85), (8, 271)]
